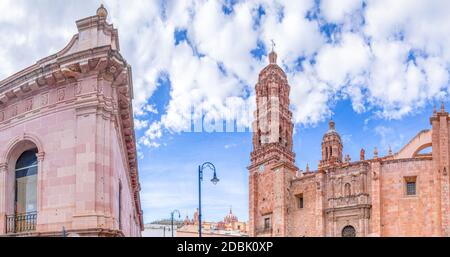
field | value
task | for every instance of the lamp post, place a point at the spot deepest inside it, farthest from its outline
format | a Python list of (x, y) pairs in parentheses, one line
[(171, 218), (214, 180), (64, 232)]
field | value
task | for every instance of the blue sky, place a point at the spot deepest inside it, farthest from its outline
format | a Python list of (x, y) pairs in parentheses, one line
[(376, 67)]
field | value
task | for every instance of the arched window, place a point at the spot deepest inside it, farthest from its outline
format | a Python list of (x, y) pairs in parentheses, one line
[(326, 153), (348, 231), (347, 189), (26, 182)]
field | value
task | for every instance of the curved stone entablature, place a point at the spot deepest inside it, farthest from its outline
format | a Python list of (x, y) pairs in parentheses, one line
[(421, 141), (65, 81)]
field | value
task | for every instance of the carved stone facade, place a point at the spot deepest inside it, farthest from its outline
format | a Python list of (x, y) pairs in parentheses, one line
[(87, 177), (401, 194)]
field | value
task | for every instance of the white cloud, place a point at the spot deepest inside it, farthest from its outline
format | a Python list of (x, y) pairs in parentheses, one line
[(336, 10), (228, 146), (345, 62), (152, 135), (389, 138), (390, 56), (140, 124)]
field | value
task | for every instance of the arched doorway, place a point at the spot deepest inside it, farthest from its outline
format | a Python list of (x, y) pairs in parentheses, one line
[(348, 231)]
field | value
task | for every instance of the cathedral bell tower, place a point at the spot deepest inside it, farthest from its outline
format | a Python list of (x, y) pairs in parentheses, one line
[(272, 127), (272, 159), (331, 147)]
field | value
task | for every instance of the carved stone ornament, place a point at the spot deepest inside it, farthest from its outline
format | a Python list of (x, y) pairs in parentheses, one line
[(61, 94), (44, 99)]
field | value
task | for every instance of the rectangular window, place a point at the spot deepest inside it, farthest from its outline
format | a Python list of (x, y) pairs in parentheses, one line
[(410, 185), (300, 201), (267, 223)]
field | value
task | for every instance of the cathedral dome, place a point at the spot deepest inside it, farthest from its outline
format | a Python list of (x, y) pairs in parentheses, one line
[(230, 217), (331, 145), (331, 131)]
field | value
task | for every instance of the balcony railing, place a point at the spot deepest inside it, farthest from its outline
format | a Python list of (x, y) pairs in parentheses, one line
[(18, 223), (264, 230)]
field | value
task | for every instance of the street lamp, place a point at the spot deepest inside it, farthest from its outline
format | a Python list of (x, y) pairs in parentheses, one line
[(171, 218), (214, 180)]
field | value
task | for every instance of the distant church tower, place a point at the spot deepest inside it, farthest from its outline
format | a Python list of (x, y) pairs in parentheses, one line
[(272, 159), (331, 147)]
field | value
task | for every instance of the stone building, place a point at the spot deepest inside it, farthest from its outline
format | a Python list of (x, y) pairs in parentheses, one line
[(401, 194), (67, 147), (229, 226)]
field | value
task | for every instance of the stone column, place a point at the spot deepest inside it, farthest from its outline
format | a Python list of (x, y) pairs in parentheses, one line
[(436, 213), (375, 228), (320, 187), (3, 191), (85, 161), (253, 193), (443, 168), (40, 189)]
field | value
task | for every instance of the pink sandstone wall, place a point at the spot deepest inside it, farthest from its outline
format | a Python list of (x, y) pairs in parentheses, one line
[(130, 223), (403, 215), (75, 181), (77, 112), (302, 222)]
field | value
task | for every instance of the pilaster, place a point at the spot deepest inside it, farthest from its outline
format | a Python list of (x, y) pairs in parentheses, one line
[(375, 228), (320, 202), (3, 192), (39, 194)]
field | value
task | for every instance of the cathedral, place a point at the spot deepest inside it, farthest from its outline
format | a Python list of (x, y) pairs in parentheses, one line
[(402, 194)]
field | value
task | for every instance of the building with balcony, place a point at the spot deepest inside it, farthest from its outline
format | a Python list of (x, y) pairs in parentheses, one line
[(67, 147)]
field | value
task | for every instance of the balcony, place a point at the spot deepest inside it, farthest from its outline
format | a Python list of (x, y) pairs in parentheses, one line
[(19, 223), (267, 230)]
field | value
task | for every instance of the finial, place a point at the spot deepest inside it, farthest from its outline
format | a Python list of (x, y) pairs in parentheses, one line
[(434, 109), (231, 209), (102, 12), (272, 54), (307, 167), (375, 152), (442, 107), (390, 151), (362, 154), (331, 124), (347, 158)]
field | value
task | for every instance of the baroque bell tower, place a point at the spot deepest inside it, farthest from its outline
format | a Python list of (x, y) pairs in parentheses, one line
[(272, 159), (272, 127)]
